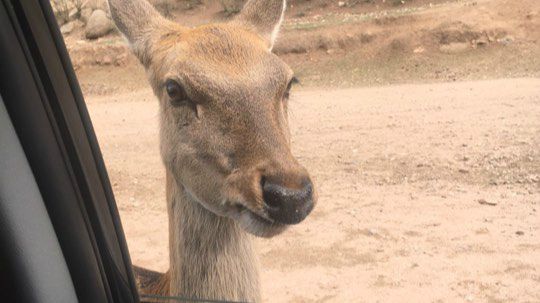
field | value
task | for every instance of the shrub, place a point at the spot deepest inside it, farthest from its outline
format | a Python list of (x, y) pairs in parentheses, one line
[(231, 7), (62, 9)]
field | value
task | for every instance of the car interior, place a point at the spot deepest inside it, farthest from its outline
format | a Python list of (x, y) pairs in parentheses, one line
[(60, 234)]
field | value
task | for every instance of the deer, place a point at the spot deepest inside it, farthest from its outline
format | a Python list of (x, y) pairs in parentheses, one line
[(224, 141)]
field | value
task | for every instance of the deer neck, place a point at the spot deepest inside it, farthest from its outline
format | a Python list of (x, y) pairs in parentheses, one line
[(211, 257)]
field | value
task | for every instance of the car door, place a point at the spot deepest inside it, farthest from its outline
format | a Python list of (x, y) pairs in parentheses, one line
[(61, 239)]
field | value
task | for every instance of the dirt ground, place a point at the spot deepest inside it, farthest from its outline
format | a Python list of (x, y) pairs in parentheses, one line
[(370, 43), (427, 193)]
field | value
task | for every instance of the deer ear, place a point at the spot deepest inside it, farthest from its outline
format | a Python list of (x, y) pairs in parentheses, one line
[(136, 19), (265, 16)]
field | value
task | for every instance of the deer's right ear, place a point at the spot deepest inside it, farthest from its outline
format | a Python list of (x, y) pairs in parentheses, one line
[(264, 16), (136, 19)]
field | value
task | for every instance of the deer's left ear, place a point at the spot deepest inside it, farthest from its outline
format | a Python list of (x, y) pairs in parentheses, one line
[(264, 16)]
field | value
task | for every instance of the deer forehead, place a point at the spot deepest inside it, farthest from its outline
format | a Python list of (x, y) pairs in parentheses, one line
[(220, 57)]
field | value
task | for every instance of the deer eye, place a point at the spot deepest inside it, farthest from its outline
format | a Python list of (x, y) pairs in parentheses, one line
[(176, 92)]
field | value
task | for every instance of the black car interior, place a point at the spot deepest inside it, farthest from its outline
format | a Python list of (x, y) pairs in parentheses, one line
[(60, 235)]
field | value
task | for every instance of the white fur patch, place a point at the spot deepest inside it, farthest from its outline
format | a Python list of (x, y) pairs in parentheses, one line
[(275, 32)]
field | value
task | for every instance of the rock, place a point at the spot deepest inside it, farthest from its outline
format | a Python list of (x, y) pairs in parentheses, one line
[(67, 28), (85, 14), (71, 26), (372, 232), (107, 60), (454, 47), (419, 50), (73, 14), (341, 3), (519, 233), (101, 4), (480, 42), (506, 40), (482, 231), (98, 25)]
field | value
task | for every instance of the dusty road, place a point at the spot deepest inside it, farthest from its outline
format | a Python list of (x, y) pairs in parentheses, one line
[(427, 193)]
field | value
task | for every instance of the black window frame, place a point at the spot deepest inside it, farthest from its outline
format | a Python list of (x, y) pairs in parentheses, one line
[(47, 110)]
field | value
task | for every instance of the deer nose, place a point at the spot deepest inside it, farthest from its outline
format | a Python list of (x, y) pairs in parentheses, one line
[(285, 204)]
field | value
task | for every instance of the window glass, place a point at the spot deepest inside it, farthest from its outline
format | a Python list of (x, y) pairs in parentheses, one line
[(337, 151)]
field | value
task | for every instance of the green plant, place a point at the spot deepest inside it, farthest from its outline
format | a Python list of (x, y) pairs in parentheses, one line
[(63, 8), (190, 4), (231, 7)]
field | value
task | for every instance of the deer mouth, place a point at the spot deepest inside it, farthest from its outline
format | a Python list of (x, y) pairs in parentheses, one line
[(257, 224)]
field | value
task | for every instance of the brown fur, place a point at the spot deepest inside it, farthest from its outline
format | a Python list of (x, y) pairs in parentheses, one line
[(217, 147)]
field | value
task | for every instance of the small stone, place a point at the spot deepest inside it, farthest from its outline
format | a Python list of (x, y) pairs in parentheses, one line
[(463, 171), (482, 231), (455, 47), (484, 202), (506, 40), (107, 60), (67, 28), (85, 14), (519, 233), (73, 14), (341, 3), (481, 42), (98, 25), (419, 50)]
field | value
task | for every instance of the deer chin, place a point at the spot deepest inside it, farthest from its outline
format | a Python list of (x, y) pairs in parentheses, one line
[(252, 222), (256, 224)]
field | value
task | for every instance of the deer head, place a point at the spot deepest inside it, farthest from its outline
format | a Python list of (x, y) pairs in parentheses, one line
[(223, 109)]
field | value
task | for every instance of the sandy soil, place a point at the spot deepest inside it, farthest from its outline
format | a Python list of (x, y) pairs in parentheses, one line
[(428, 193)]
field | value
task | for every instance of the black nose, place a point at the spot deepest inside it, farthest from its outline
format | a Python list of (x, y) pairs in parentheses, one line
[(285, 204)]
